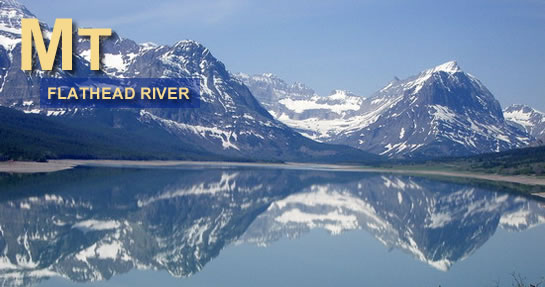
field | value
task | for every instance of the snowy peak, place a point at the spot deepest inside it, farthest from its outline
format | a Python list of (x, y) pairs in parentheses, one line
[(18, 88), (416, 83), (524, 114), (11, 13), (318, 117), (446, 85), (276, 85), (528, 119), (270, 90), (441, 111), (12, 3), (230, 121), (190, 46), (341, 95), (450, 67)]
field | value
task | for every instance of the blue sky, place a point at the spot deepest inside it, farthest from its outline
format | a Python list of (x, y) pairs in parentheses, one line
[(355, 45)]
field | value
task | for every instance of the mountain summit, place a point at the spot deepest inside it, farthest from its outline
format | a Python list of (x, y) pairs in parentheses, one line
[(528, 120), (442, 111), (450, 67), (230, 122)]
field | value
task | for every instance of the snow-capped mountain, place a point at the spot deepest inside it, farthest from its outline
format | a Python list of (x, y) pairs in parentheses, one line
[(318, 117), (269, 89), (528, 119), (18, 88), (442, 111), (230, 122), (11, 14)]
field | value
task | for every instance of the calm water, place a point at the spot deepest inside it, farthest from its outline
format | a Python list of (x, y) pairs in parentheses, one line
[(263, 227)]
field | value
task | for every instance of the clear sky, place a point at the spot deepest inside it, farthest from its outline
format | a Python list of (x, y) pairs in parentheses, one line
[(355, 45)]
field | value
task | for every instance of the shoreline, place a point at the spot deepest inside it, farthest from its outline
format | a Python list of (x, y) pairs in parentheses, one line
[(22, 167)]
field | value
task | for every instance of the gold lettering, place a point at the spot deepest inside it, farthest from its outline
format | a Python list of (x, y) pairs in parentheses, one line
[(118, 94), (84, 91), (184, 92), (127, 97), (30, 29), (50, 91), (94, 93), (95, 35), (106, 91), (72, 94), (172, 93), (59, 96), (145, 92), (161, 95)]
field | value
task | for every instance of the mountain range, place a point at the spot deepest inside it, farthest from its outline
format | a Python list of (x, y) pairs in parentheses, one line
[(528, 119), (230, 123), (442, 111)]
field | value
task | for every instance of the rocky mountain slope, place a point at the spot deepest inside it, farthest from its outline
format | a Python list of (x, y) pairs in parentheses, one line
[(442, 111), (528, 119), (230, 122), (19, 88), (318, 117)]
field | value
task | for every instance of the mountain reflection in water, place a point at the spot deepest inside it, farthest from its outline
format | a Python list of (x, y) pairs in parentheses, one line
[(89, 224)]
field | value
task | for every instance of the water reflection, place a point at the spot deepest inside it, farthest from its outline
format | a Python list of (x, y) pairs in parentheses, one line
[(90, 224)]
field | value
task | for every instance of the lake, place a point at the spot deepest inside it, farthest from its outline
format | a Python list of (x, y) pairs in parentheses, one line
[(252, 226)]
